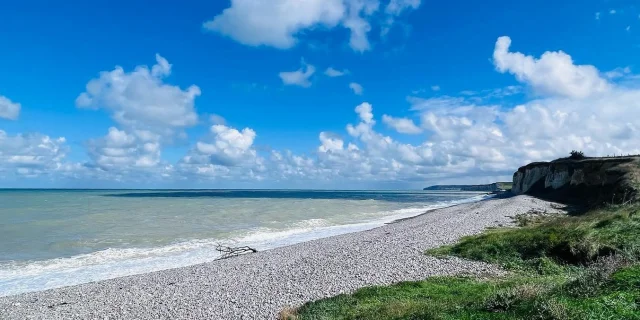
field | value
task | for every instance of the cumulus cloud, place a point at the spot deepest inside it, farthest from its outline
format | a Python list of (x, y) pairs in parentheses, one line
[(149, 112), (331, 72), (8, 109), (279, 23), (226, 153), (275, 22), (140, 99), (470, 139), (474, 136), (299, 77), (554, 73), (402, 125), (576, 109), (31, 155), (229, 146), (120, 150), (356, 88), (330, 142)]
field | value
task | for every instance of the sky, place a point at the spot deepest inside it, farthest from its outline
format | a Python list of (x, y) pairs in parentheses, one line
[(313, 94)]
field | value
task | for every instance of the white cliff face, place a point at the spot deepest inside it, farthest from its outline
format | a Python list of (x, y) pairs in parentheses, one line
[(557, 179), (523, 181), (596, 177)]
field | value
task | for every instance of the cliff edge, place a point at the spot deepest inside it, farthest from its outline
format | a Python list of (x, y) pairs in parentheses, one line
[(589, 180)]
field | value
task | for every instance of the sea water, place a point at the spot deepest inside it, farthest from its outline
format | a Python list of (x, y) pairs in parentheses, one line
[(54, 238)]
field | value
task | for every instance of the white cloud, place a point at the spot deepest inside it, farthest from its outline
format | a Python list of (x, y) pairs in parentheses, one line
[(472, 141), (356, 21), (141, 100), (299, 77), (584, 117), (217, 119), (8, 109), (597, 15), (612, 11), (331, 72), (356, 87), (280, 23), (119, 150), (473, 137), (402, 125), (225, 154), (365, 112), (396, 7), (226, 147), (617, 73), (149, 111), (628, 28), (30, 155), (553, 74), (330, 142), (435, 88), (275, 23)]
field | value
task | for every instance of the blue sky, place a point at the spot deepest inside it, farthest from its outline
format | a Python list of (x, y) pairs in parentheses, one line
[(444, 106)]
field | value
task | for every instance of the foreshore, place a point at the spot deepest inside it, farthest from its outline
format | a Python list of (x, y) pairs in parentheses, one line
[(260, 285)]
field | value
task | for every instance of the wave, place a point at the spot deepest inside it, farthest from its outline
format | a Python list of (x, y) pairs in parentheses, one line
[(26, 276)]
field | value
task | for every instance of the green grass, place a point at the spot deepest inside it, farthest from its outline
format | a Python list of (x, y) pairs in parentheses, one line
[(505, 185), (576, 267), (572, 240)]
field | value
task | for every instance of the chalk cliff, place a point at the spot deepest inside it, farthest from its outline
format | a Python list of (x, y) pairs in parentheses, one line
[(590, 180)]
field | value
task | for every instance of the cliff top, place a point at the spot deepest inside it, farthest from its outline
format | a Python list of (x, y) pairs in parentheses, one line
[(621, 159)]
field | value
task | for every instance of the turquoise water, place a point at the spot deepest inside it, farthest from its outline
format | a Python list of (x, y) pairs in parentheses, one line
[(52, 238)]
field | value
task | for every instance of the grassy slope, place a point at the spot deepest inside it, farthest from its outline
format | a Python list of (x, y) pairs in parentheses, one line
[(563, 268), (505, 185)]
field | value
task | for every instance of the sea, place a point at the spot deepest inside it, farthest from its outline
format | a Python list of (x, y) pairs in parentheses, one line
[(55, 238)]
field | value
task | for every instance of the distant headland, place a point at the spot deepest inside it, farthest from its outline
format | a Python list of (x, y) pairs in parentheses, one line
[(496, 186)]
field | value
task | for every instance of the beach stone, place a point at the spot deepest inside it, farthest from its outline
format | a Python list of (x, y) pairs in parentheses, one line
[(259, 285)]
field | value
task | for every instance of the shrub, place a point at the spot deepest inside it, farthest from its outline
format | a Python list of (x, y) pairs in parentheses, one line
[(550, 310), (576, 155), (508, 298), (595, 276)]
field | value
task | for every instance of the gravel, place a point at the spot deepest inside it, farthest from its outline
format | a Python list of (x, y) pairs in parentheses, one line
[(259, 285)]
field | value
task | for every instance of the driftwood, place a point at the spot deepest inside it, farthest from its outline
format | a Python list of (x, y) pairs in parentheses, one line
[(228, 252)]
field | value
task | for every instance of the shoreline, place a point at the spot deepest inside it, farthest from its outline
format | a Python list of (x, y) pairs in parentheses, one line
[(110, 263), (259, 285)]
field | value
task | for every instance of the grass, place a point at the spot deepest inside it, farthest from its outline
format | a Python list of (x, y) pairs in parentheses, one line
[(573, 267), (569, 240), (505, 185)]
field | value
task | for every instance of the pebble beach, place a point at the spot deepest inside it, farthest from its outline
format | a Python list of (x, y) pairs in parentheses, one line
[(260, 285)]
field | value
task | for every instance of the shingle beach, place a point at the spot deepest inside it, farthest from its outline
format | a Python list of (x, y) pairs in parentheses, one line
[(260, 285)]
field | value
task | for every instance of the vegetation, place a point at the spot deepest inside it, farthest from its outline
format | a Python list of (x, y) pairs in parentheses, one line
[(505, 185), (570, 267), (576, 155)]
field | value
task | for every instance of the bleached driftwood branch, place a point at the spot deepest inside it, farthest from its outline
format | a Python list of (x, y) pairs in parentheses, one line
[(228, 252)]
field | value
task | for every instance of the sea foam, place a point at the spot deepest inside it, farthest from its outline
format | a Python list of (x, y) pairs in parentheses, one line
[(26, 276)]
